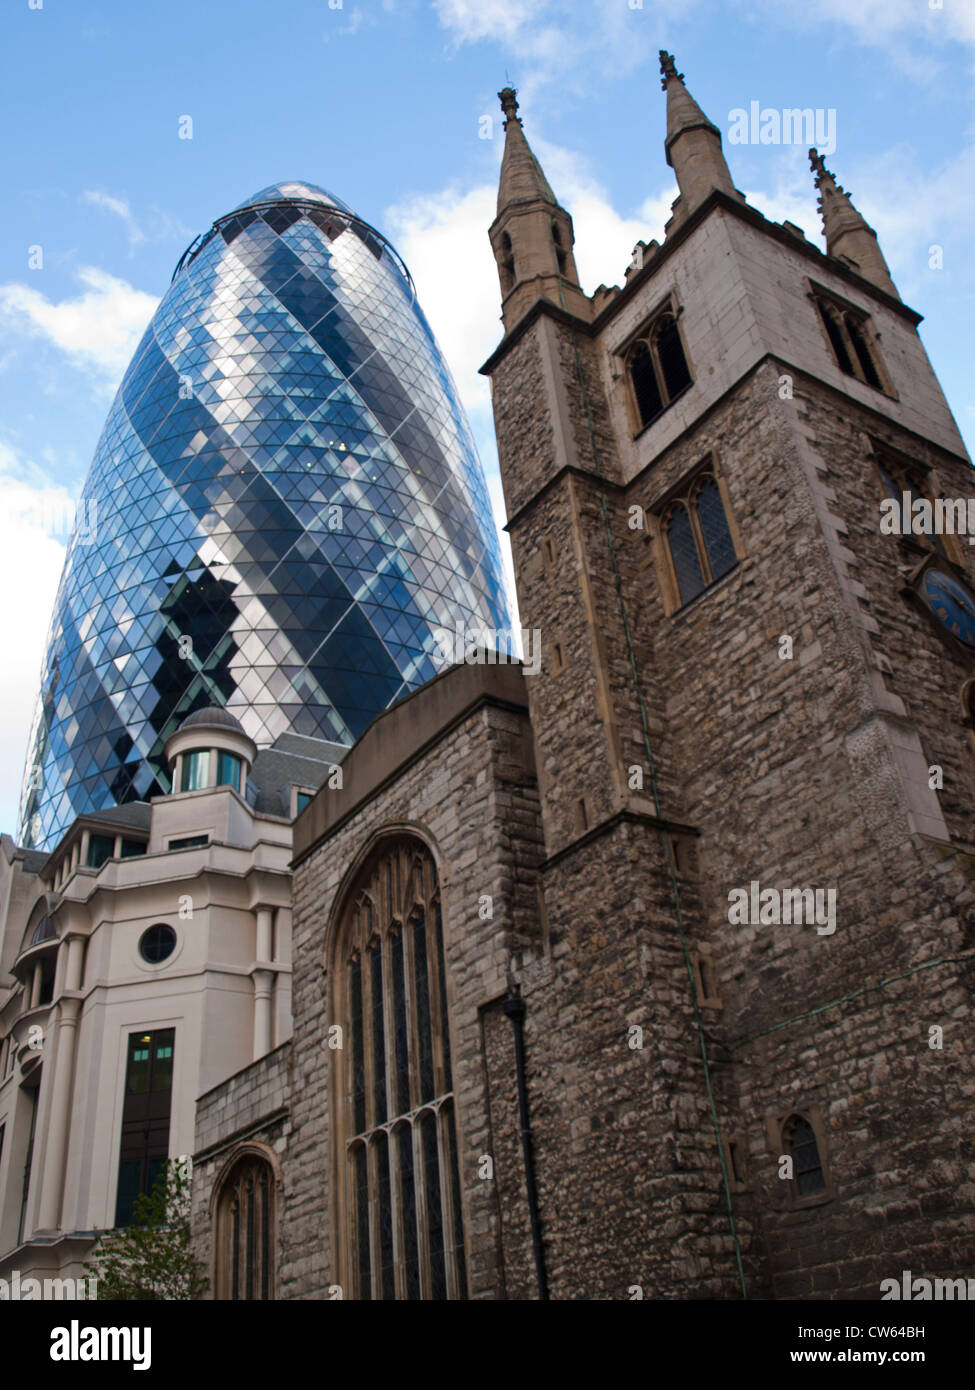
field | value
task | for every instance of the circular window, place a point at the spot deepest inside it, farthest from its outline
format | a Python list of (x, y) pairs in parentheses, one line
[(157, 943)]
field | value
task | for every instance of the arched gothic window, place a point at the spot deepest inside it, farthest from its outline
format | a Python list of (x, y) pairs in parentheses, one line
[(244, 1231), (852, 340), (807, 1166), (898, 479), (657, 368), (698, 538), (399, 1178)]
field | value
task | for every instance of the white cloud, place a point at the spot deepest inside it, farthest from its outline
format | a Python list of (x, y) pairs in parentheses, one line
[(99, 330), (605, 238), (120, 208), (353, 24), (563, 46), (443, 239), (883, 22), (31, 559), (471, 20), (911, 33)]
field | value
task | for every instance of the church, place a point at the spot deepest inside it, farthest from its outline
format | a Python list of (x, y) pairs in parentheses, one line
[(640, 970), (553, 1037)]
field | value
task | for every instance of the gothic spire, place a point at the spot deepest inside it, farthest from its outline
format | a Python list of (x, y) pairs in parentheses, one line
[(849, 237), (532, 235), (693, 144), (522, 178)]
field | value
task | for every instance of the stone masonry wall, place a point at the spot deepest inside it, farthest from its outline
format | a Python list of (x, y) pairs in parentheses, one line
[(246, 1108), (473, 798)]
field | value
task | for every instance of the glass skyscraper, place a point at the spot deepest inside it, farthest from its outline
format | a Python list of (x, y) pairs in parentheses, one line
[(284, 504)]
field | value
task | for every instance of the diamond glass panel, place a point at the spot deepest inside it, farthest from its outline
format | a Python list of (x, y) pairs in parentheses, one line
[(285, 503)]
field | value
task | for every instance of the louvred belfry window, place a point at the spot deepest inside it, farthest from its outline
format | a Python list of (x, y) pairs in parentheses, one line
[(400, 1179), (657, 368), (853, 340)]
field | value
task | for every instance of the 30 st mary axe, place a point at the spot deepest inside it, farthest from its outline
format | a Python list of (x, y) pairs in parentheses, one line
[(284, 504)]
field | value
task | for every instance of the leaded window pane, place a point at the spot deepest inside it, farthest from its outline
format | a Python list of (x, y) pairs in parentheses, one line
[(401, 1026), (378, 1035), (683, 553), (714, 528), (424, 1036), (431, 1165), (442, 987), (358, 1048), (411, 1249), (363, 1267), (459, 1262), (387, 1277)]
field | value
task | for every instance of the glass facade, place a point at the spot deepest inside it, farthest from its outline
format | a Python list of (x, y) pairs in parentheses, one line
[(284, 505)]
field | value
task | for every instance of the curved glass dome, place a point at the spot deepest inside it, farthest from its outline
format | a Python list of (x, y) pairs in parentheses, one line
[(284, 504), (294, 190)]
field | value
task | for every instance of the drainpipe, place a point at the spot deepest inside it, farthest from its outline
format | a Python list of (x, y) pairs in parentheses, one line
[(514, 1007)]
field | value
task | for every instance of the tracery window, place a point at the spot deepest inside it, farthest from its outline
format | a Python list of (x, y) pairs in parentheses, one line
[(698, 537), (852, 339), (657, 368), (399, 1181), (244, 1235)]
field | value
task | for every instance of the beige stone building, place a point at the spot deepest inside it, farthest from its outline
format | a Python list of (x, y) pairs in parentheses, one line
[(650, 974), (145, 959)]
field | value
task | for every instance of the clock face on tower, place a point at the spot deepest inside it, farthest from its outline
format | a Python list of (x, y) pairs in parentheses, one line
[(951, 603)]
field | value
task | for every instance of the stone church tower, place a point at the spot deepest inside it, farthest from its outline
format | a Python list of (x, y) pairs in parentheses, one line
[(648, 974), (744, 683)]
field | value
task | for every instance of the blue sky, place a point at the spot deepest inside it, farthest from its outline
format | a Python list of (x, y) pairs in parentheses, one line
[(381, 101)]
